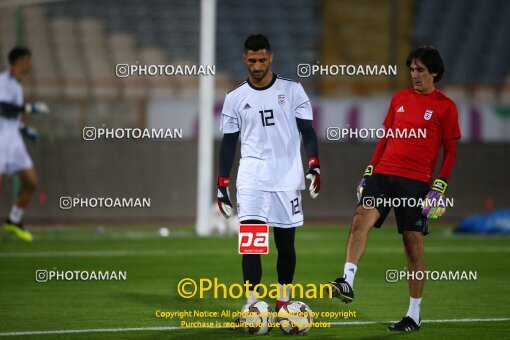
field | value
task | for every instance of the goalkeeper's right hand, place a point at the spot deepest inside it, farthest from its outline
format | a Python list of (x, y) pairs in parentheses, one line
[(37, 108), (361, 184), (433, 205), (223, 199)]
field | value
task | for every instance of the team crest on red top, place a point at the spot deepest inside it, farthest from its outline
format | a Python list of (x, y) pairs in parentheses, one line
[(281, 99), (428, 114)]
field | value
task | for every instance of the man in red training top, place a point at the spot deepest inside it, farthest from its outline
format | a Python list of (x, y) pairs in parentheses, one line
[(401, 169)]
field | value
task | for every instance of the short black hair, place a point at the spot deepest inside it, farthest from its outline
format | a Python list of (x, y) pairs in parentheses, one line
[(18, 52), (256, 42), (430, 57)]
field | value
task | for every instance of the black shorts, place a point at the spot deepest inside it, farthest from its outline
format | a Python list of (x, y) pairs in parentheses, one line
[(409, 218)]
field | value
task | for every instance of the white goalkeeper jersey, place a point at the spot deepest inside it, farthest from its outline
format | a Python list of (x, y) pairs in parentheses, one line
[(11, 92), (13, 153), (270, 139)]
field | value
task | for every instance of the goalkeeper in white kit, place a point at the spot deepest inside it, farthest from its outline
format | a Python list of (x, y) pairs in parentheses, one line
[(271, 114), (14, 158)]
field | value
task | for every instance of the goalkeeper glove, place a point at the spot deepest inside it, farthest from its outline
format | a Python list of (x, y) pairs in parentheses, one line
[(314, 175), (223, 199), (434, 205), (29, 133), (362, 182), (37, 108)]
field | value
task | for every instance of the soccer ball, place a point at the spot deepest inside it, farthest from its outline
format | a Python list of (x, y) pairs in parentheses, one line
[(295, 318), (256, 318)]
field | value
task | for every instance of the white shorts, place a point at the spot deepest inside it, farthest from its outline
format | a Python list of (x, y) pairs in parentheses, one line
[(14, 156), (282, 209)]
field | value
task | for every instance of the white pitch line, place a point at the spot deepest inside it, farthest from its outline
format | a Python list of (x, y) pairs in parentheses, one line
[(115, 253), (450, 249), (120, 253), (346, 323), (140, 329), (85, 253), (99, 330)]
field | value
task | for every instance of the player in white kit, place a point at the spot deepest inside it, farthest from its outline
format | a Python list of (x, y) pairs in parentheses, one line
[(270, 114), (14, 158)]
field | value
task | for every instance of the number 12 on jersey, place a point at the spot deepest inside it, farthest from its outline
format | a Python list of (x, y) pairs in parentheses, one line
[(267, 117)]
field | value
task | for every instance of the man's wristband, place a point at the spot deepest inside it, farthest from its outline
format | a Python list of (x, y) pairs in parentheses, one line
[(368, 171), (440, 185), (223, 181), (314, 162)]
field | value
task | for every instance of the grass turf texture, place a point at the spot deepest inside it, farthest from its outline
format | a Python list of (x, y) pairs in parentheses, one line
[(155, 265)]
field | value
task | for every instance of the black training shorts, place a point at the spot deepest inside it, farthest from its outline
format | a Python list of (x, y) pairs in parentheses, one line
[(388, 187)]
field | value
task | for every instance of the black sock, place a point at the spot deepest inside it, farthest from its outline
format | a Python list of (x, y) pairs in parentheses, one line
[(252, 269), (286, 264)]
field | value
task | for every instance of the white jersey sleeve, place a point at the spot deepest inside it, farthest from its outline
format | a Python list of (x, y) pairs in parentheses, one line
[(10, 89), (229, 119), (11, 92), (5, 96), (301, 103)]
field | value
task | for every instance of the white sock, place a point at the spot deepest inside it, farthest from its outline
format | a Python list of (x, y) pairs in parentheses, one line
[(16, 214), (283, 294), (251, 297), (350, 272), (414, 310)]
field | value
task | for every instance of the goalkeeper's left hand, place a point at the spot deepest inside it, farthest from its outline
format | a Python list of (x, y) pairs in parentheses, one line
[(434, 204), (314, 175), (29, 133)]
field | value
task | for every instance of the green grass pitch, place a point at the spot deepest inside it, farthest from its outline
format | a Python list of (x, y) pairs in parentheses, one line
[(155, 264)]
